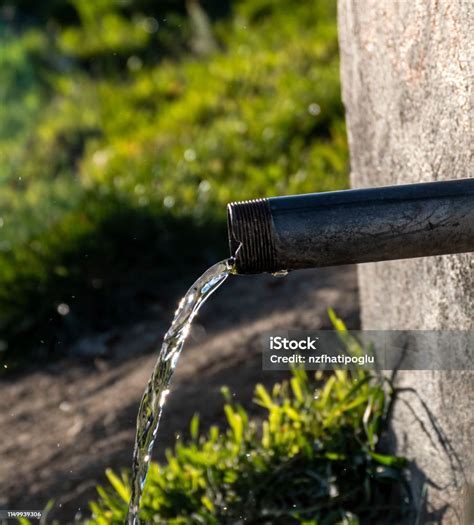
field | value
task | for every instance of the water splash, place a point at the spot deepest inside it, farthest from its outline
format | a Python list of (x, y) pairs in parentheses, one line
[(154, 398)]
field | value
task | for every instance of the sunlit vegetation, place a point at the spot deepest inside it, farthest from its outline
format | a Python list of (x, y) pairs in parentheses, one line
[(126, 128), (313, 459)]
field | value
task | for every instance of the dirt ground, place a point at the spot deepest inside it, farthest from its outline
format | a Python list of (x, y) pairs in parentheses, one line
[(62, 426)]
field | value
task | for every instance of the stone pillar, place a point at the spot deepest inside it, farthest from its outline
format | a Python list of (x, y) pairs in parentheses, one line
[(407, 76)]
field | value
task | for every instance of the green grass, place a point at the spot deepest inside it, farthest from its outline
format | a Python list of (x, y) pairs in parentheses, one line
[(313, 458), (129, 147)]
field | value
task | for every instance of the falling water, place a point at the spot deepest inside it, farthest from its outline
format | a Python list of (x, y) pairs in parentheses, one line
[(154, 398)]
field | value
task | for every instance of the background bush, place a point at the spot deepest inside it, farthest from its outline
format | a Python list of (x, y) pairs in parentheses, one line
[(127, 125)]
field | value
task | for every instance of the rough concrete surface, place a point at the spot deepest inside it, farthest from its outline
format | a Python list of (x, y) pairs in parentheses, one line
[(407, 73)]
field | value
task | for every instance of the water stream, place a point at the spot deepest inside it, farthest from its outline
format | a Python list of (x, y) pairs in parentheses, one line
[(154, 397)]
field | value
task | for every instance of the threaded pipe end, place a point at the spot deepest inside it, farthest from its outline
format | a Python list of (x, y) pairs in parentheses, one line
[(251, 240)]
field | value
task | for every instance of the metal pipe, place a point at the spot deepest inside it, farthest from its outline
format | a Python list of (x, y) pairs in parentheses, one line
[(352, 226)]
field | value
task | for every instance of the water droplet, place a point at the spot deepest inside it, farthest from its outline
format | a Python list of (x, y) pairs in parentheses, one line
[(150, 24), (189, 155), (314, 109), (204, 186), (168, 201), (63, 309)]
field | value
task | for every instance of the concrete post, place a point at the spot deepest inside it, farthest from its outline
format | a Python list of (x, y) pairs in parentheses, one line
[(407, 76)]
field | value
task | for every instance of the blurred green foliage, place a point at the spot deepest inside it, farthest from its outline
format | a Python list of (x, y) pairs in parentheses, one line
[(126, 127), (313, 459)]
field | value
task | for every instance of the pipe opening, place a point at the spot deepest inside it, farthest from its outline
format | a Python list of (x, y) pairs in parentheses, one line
[(249, 225)]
